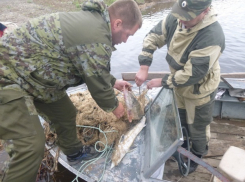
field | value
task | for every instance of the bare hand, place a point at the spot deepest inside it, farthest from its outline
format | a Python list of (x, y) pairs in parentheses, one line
[(119, 111), (142, 75), (157, 82), (119, 84)]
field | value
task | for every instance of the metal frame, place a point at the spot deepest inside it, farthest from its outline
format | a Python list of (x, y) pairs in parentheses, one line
[(147, 169)]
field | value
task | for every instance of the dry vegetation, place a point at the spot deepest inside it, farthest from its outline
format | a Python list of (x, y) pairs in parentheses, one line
[(20, 11)]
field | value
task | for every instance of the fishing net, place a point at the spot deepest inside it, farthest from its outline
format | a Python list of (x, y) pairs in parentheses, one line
[(90, 114)]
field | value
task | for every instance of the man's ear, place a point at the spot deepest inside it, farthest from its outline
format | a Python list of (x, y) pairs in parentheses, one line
[(117, 24)]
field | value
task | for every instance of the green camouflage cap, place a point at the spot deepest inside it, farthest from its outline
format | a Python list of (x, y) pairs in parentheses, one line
[(189, 9)]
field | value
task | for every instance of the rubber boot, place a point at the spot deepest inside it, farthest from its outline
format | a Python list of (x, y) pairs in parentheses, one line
[(193, 165)]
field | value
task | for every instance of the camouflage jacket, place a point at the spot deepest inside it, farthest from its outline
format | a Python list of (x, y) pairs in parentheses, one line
[(192, 54), (51, 53)]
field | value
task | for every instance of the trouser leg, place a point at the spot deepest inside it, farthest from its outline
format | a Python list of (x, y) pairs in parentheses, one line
[(200, 129), (199, 116), (62, 115), (23, 134), (26, 155), (183, 119)]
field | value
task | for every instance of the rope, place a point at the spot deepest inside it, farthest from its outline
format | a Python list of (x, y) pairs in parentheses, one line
[(106, 152)]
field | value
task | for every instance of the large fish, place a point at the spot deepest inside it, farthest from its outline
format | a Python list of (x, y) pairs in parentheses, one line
[(134, 109), (125, 142)]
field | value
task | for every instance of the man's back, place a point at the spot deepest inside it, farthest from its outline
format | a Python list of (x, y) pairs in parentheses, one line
[(40, 55)]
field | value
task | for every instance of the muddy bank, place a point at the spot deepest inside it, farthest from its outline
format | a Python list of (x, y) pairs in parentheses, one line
[(20, 11)]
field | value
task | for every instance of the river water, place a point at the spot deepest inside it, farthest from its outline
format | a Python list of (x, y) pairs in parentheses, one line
[(231, 14)]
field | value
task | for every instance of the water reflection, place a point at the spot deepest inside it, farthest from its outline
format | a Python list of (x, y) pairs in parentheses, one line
[(159, 7), (230, 15)]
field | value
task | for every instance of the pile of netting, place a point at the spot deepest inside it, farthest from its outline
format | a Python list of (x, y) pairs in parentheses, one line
[(90, 114), (49, 164)]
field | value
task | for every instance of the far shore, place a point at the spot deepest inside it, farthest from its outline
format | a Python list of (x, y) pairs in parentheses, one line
[(20, 11), (149, 3)]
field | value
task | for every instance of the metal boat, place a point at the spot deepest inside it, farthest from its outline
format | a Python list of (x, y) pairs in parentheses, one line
[(151, 159), (159, 140)]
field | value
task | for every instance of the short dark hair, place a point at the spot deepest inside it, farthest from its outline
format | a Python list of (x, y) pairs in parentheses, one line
[(126, 10)]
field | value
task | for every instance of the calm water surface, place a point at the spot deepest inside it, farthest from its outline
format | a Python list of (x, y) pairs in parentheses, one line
[(231, 14)]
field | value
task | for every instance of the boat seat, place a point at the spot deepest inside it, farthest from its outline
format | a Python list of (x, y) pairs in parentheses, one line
[(232, 165)]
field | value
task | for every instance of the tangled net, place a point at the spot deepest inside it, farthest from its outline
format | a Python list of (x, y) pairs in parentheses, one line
[(90, 114), (49, 164)]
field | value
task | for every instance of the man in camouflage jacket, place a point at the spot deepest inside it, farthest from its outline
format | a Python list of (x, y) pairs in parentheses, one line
[(40, 60), (195, 41)]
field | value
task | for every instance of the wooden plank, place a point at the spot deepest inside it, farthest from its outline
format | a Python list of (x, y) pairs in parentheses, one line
[(130, 76), (233, 75), (224, 136), (212, 162), (171, 173), (236, 122), (219, 147), (227, 128)]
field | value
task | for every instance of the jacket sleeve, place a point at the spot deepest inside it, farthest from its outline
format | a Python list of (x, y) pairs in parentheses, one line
[(156, 38), (93, 64), (113, 80), (196, 68)]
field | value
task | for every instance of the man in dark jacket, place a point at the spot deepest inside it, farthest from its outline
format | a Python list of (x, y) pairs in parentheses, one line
[(40, 60)]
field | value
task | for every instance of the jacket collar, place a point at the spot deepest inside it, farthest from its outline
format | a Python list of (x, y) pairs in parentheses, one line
[(210, 18), (100, 7)]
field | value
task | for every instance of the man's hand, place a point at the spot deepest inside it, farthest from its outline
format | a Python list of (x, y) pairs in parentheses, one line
[(119, 84), (142, 75), (119, 111), (157, 82)]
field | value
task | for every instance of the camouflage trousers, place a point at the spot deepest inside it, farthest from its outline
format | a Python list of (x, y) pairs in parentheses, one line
[(196, 116), (23, 134)]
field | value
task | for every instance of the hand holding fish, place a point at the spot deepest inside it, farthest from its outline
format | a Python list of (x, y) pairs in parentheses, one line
[(134, 109), (119, 85), (142, 75), (157, 82), (119, 111)]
